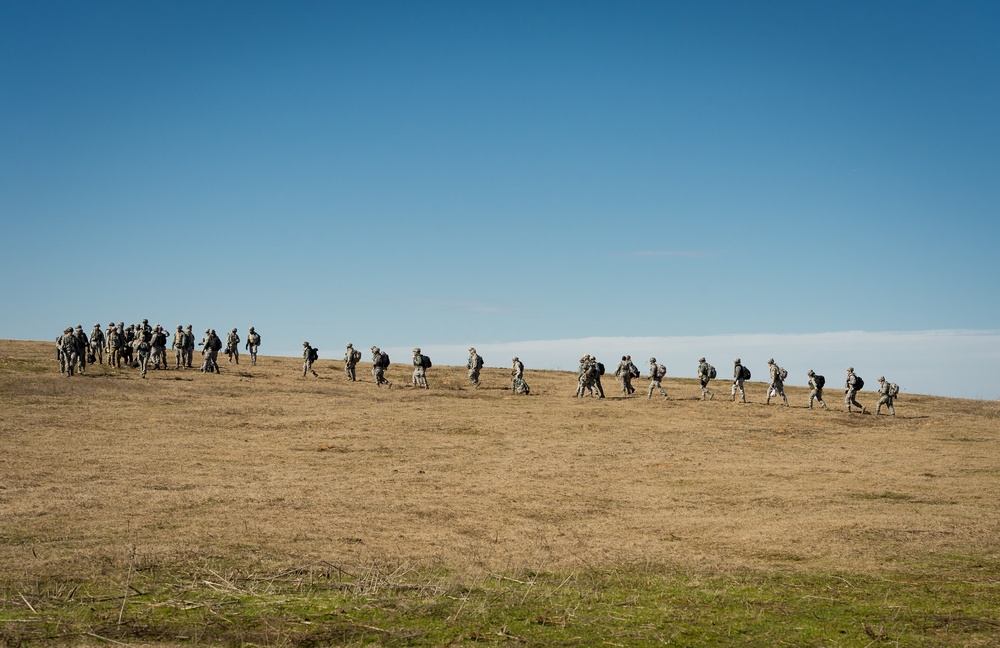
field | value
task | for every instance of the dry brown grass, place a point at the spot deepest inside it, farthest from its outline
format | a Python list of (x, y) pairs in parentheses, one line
[(259, 464)]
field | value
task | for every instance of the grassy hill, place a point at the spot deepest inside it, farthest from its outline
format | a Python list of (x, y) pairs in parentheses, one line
[(258, 507)]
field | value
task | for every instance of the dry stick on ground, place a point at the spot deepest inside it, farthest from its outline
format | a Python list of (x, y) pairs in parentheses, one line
[(26, 602), (128, 584)]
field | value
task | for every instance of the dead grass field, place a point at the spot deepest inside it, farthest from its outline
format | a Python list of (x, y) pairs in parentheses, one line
[(261, 466)]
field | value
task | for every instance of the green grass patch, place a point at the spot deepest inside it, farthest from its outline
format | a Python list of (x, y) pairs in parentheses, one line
[(394, 606)]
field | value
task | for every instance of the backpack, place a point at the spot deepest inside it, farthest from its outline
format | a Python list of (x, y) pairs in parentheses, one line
[(313, 354), (746, 374), (356, 356), (661, 371), (600, 368), (255, 339), (633, 371), (893, 390), (859, 384), (711, 372), (216, 343), (425, 362), (479, 362), (382, 360), (783, 374), (819, 381)]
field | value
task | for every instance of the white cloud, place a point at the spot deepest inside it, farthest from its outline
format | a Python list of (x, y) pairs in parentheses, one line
[(956, 363)]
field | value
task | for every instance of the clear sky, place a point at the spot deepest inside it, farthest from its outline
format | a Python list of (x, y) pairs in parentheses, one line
[(445, 173)]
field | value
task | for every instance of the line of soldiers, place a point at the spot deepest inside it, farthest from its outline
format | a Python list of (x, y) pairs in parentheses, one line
[(137, 345)]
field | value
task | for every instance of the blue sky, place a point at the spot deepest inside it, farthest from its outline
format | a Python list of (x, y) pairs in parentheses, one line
[(444, 173)]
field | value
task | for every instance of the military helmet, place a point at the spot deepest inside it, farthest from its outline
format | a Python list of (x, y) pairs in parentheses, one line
[(652, 360), (305, 344), (350, 346), (98, 325), (881, 378), (416, 349), (811, 373), (850, 370), (234, 330), (701, 359), (180, 328), (251, 328), (770, 361), (736, 361), (514, 359), (212, 331)]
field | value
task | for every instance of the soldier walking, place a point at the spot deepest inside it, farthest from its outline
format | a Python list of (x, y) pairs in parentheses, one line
[(475, 365), (777, 386), (624, 374), (253, 343), (158, 343), (143, 347), (816, 384), (211, 346), (115, 341), (419, 369), (178, 344), (83, 346), (739, 375), (380, 362), (851, 388), (188, 346), (705, 372), (309, 355), (233, 346), (518, 386), (97, 342), (68, 351), (657, 372), (887, 392), (351, 359)]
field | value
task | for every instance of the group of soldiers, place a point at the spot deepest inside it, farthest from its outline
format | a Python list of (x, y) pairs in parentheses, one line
[(421, 363), (138, 345), (590, 371)]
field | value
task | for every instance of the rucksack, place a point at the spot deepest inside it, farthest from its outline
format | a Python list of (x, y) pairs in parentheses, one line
[(661, 371), (633, 371), (313, 354), (819, 381), (893, 390), (425, 362), (383, 360), (216, 343), (859, 384), (479, 362), (356, 356), (746, 373), (255, 339), (783, 374), (600, 368), (711, 372)]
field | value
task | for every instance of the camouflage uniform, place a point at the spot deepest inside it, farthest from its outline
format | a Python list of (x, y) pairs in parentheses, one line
[(851, 392), (97, 342), (178, 345), (210, 349), (253, 343), (378, 368), (115, 340), (128, 343), (704, 376), (777, 386), (419, 372), (233, 346), (885, 398), (475, 365), (655, 376), (83, 345), (307, 361), (738, 380), (518, 386), (158, 342), (351, 358), (68, 351), (142, 349), (188, 346), (624, 374), (585, 379), (817, 392)]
